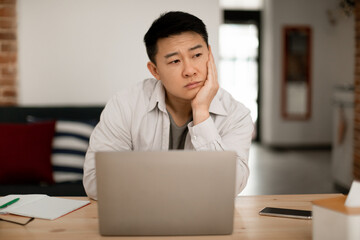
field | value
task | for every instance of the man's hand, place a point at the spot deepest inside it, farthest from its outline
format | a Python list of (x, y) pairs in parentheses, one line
[(201, 103)]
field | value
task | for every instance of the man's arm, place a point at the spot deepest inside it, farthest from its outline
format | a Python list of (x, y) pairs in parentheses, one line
[(111, 134), (237, 130), (235, 135)]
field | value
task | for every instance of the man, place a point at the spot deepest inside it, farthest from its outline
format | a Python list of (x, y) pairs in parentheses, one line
[(182, 108)]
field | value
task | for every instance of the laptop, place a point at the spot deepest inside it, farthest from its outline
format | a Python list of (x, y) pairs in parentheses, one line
[(166, 193)]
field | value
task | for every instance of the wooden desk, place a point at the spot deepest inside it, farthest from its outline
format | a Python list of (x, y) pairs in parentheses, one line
[(83, 223)]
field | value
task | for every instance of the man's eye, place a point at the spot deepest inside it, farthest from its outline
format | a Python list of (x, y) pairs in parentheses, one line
[(175, 61), (197, 55)]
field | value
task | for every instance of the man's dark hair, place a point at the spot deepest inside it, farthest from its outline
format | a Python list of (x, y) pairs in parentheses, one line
[(172, 23)]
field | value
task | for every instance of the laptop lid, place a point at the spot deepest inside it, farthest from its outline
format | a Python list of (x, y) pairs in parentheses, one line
[(166, 193)]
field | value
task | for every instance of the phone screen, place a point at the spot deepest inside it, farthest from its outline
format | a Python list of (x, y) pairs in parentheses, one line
[(284, 212)]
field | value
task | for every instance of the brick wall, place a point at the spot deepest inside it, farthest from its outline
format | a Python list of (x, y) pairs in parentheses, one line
[(357, 93), (8, 53)]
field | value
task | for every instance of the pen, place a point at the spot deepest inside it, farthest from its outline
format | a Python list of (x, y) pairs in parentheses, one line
[(9, 203)]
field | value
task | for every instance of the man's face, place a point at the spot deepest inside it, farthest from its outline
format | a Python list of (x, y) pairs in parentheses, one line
[(181, 65)]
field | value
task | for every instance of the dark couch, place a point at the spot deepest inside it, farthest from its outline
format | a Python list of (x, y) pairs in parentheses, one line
[(20, 115)]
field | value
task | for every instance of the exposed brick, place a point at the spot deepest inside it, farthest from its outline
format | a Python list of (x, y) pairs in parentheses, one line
[(9, 47), (8, 72), (357, 114), (357, 98), (357, 119), (7, 35), (356, 162), (8, 101), (356, 154), (357, 127), (8, 53), (7, 23), (357, 140), (7, 58), (7, 82), (9, 92), (8, 1), (7, 10)]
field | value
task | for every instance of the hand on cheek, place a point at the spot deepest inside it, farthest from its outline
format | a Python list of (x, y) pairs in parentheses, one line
[(201, 103)]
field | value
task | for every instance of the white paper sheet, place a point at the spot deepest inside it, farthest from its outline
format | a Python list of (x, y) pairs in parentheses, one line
[(41, 206)]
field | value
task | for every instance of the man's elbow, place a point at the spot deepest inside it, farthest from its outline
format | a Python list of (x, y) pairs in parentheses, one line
[(90, 187)]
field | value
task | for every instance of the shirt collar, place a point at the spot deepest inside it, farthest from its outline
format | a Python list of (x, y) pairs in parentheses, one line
[(158, 99), (216, 107)]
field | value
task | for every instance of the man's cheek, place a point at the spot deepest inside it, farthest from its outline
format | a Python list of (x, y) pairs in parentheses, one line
[(206, 71)]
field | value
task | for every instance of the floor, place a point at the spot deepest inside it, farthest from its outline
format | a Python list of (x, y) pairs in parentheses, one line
[(289, 171)]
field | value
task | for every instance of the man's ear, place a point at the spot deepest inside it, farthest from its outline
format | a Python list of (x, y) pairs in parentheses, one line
[(153, 70)]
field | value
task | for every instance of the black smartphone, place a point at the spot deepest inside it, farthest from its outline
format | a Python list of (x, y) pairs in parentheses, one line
[(284, 212)]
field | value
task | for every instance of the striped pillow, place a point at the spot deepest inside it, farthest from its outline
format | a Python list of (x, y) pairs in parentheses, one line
[(70, 144)]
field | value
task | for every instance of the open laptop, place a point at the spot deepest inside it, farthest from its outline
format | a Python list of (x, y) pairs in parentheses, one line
[(166, 193)]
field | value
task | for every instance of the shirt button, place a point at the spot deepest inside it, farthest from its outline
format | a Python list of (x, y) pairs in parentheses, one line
[(195, 137)]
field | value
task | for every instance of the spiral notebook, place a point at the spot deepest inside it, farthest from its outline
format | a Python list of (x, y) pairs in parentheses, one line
[(40, 206)]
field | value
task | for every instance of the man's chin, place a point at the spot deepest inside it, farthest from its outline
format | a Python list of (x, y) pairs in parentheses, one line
[(193, 94)]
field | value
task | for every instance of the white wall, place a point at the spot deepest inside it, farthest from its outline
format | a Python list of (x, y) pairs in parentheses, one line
[(83, 51), (332, 63)]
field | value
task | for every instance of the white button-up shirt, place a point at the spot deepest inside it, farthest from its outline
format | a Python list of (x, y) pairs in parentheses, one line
[(137, 120)]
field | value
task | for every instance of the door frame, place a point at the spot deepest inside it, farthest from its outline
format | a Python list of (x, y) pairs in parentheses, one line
[(249, 17)]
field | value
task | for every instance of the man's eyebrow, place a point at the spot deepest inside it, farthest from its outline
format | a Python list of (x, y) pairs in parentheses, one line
[(190, 49), (171, 54), (196, 47)]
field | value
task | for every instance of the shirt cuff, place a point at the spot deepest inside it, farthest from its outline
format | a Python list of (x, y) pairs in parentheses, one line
[(203, 133)]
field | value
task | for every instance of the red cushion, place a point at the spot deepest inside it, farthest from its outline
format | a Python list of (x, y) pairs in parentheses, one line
[(25, 151)]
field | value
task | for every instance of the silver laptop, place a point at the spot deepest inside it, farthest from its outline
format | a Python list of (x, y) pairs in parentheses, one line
[(166, 193)]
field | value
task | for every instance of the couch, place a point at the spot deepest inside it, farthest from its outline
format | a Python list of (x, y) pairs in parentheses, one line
[(42, 148)]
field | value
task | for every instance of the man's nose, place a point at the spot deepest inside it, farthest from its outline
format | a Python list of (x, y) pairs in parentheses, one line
[(189, 70)]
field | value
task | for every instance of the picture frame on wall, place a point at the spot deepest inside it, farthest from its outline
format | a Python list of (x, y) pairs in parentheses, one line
[(296, 81)]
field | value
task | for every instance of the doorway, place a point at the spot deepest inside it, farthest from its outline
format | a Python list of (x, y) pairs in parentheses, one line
[(239, 67)]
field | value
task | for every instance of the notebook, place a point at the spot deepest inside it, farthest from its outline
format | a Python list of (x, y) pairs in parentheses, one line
[(40, 206), (165, 193)]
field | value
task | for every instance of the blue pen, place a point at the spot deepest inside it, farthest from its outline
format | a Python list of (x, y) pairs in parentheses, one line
[(9, 203)]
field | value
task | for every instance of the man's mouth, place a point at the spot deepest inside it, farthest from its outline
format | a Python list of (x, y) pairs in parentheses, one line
[(192, 85)]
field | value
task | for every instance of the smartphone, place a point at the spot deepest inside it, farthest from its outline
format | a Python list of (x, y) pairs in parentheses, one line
[(284, 212)]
